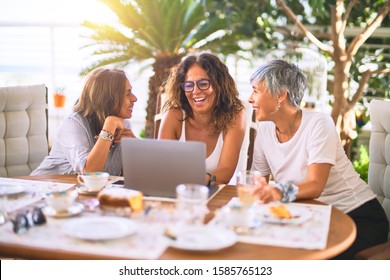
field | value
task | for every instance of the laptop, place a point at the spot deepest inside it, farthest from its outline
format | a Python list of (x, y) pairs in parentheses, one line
[(156, 167)]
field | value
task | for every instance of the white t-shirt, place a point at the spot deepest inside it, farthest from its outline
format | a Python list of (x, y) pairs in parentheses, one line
[(316, 141)]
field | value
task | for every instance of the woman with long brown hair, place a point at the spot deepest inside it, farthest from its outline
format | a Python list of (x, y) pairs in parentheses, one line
[(89, 138)]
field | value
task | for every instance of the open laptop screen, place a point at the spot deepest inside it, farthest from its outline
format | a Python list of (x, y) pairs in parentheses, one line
[(156, 167)]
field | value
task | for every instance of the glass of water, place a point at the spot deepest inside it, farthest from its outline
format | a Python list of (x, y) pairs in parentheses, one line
[(191, 203), (246, 182)]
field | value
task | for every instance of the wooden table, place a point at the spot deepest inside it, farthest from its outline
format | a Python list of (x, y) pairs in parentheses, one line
[(342, 233)]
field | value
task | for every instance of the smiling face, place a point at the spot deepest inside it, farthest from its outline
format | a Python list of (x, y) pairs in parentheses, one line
[(126, 111), (263, 103), (201, 101)]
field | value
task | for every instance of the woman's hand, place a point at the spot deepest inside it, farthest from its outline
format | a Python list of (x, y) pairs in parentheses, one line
[(125, 132), (113, 124), (116, 126), (266, 193)]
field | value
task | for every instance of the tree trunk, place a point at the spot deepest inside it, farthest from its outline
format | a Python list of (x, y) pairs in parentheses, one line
[(161, 68), (342, 110)]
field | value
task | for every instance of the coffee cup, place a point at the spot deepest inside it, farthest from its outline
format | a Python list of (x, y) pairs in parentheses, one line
[(61, 201), (94, 181)]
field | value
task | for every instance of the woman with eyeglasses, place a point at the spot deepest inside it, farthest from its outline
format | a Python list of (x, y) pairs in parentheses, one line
[(202, 104), (89, 138)]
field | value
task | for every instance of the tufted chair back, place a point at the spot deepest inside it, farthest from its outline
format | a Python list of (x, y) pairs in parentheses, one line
[(23, 129), (379, 150)]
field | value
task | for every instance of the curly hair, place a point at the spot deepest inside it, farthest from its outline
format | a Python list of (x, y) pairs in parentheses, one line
[(228, 105), (102, 96)]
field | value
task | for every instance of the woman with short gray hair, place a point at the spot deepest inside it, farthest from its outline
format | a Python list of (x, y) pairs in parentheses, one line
[(303, 152)]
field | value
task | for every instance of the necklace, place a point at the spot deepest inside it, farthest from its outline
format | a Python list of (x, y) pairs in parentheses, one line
[(292, 127)]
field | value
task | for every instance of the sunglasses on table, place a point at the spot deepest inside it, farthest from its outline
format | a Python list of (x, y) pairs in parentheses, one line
[(23, 221), (202, 84)]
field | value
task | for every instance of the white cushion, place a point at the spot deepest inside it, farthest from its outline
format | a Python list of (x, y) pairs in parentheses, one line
[(379, 150), (23, 129)]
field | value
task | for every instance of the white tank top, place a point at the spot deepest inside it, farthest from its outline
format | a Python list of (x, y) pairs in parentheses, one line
[(213, 159)]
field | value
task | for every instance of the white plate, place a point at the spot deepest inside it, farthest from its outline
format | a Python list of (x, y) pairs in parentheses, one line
[(298, 215), (99, 228), (73, 210), (204, 238), (8, 189)]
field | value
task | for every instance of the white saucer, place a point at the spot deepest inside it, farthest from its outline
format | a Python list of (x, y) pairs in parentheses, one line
[(82, 189), (74, 210)]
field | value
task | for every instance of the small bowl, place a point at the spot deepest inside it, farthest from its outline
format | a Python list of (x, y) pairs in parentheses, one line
[(61, 201)]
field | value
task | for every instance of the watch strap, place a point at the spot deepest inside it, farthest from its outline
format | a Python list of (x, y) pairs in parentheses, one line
[(212, 180)]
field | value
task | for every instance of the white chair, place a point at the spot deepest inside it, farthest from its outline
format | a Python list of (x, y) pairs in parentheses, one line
[(379, 150), (161, 97), (379, 168), (23, 129), (246, 152)]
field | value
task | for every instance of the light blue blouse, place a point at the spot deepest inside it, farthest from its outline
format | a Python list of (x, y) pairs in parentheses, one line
[(70, 150)]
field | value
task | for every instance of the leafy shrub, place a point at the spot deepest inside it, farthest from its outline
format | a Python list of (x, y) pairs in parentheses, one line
[(361, 164)]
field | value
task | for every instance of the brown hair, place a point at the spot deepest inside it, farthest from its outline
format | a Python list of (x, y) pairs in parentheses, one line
[(228, 105), (102, 96)]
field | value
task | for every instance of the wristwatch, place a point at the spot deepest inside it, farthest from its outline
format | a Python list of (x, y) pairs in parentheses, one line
[(212, 180)]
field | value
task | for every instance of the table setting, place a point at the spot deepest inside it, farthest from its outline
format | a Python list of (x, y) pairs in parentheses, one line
[(307, 228), (120, 233), (94, 232), (84, 227)]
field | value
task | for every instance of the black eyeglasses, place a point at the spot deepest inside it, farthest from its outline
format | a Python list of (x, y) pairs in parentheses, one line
[(23, 221), (202, 84)]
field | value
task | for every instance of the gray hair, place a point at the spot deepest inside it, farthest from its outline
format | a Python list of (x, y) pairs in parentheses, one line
[(278, 75)]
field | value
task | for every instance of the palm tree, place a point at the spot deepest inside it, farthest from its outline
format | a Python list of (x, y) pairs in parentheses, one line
[(161, 30)]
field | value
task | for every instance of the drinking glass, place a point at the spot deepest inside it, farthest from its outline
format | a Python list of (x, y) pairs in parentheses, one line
[(246, 182), (191, 203)]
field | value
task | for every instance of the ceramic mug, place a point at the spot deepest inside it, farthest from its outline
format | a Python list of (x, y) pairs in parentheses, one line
[(94, 181)]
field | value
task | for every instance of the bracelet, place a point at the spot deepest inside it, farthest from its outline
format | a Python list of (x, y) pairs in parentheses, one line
[(106, 135), (289, 191)]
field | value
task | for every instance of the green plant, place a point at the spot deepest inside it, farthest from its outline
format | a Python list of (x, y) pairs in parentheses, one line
[(361, 164)]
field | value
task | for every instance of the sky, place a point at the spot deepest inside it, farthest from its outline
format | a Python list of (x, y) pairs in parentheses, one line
[(27, 55), (57, 11)]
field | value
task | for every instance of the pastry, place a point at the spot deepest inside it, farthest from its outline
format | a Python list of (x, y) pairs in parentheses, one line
[(280, 211), (120, 197)]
